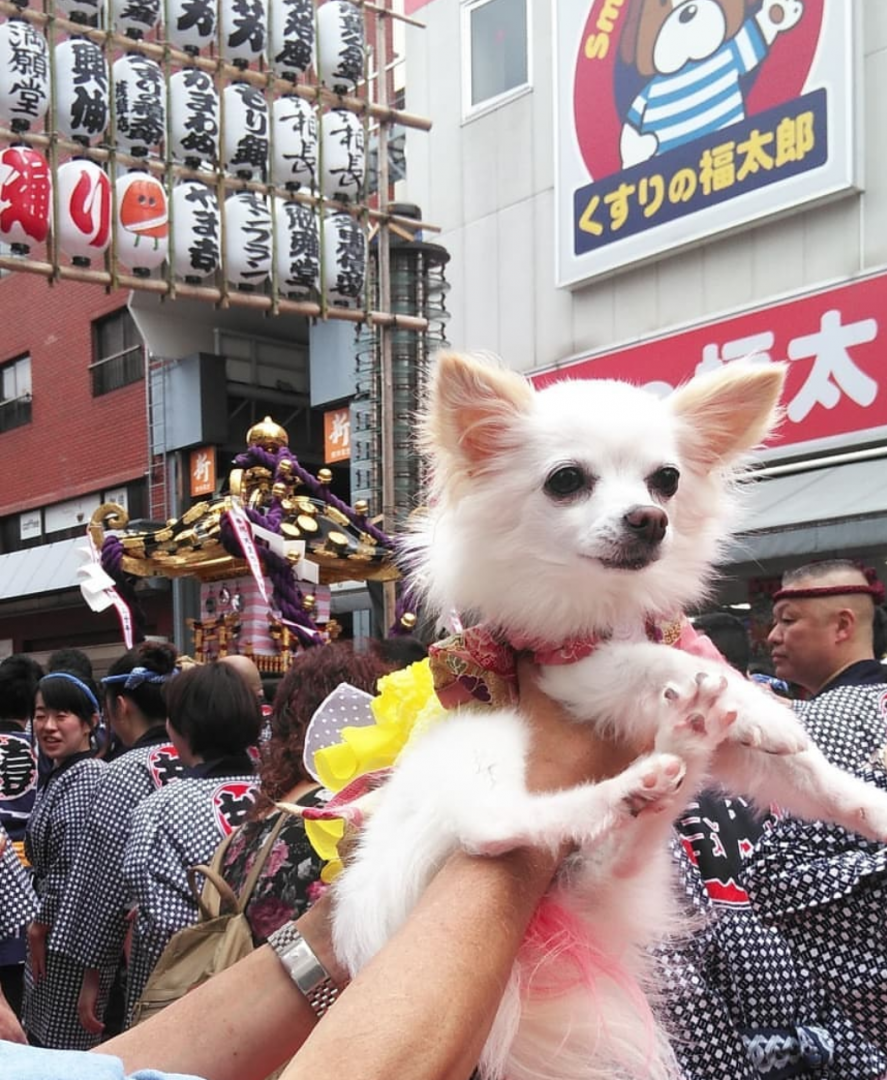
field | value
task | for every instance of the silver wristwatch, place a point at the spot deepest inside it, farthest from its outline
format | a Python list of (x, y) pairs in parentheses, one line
[(303, 967)]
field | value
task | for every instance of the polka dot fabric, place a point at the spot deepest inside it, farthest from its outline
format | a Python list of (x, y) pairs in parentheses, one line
[(346, 706), (172, 830), (18, 901)]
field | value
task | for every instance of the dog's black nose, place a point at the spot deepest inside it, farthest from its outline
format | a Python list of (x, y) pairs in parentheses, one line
[(688, 13), (647, 523)]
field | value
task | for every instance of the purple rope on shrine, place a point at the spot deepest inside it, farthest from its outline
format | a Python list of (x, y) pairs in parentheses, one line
[(111, 559), (258, 455)]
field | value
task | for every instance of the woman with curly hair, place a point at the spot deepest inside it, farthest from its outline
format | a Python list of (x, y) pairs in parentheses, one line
[(289, 880)]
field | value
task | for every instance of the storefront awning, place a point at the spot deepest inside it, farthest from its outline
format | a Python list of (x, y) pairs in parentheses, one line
[(839, 508), (43, 569)]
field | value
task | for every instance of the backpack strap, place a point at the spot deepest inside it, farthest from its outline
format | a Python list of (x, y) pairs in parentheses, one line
[(259, 865), (211, 907)]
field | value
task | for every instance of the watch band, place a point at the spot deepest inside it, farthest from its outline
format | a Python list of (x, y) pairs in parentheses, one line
[(303, 967)]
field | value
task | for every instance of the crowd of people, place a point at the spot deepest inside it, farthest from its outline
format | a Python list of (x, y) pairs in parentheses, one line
[(783, 977)]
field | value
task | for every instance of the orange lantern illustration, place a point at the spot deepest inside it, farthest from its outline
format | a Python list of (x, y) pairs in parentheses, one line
[(142, 227)]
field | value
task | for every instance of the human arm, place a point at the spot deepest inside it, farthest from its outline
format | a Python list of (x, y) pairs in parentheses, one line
[(465, 931), (10, 1028)]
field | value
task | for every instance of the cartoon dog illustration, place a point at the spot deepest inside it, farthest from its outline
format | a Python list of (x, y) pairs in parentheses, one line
[(694, 53)]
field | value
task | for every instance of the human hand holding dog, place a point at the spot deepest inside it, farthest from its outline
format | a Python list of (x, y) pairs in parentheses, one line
[(565, 753)]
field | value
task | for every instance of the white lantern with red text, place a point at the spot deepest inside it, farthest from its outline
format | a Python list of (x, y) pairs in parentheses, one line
[(294, 130), (83, 228), (139, 104), (191, 24), (341, 46), (81, 89), (193, 118), (85, 12), (247, 244), (297, 250), (25, 198), (142, 226), (244, 30), (343, 154), (245, 149), (290, 37), (344, 247), (134, 18), (24, 74), (197, 230)]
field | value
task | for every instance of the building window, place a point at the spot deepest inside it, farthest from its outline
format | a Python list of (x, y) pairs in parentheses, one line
[(496, 52), (117, 353), (15, 393)]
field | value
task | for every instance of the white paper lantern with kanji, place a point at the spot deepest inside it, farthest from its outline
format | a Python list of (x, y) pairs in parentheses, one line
[(197, 230), (343, 154), (244, 30), (191, 24), (83, 228), (134, 18), (24, 74), (193, 117), (290, 37), (142, 226), (294, 129), (344, 246), (297, 253), (247, 243), (245, 148), (85, 12), (341, 46), (82, 104), (139, 104), (25, 198)]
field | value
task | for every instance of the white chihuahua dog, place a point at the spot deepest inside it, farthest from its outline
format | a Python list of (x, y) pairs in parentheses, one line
[(588, 512)]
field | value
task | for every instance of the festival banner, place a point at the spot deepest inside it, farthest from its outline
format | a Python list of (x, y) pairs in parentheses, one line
[(676, 122)]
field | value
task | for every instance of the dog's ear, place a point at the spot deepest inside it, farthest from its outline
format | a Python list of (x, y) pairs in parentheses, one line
[(473, 408), (728, 411)]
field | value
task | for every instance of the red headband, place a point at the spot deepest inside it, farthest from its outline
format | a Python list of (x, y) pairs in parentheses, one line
[(874, 589)]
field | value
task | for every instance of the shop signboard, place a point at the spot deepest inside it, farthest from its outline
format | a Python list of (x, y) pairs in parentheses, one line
[(675, 122), (833, 341), (203, 471), (337, 435)]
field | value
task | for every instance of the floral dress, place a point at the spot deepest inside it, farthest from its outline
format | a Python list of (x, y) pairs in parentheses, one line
[(290, 880)]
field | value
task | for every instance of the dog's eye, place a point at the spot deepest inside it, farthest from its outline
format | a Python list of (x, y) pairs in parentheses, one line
[(664, 481), (566, 480)]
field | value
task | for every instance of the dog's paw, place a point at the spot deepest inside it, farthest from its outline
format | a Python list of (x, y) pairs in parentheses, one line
[(651, 784), (767, 724), (699, 715)]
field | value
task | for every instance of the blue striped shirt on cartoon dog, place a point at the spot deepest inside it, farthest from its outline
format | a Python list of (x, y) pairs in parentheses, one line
[(695, 68)]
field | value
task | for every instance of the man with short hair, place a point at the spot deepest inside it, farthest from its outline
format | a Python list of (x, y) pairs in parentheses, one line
[(823, 627)]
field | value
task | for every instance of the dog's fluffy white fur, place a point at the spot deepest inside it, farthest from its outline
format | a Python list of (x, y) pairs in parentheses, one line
[(587, 508)]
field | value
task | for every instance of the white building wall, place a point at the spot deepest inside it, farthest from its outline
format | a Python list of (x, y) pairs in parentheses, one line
[(489, 183)]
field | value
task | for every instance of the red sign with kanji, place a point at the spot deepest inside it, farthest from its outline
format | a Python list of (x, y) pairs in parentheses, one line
[(834, 345)]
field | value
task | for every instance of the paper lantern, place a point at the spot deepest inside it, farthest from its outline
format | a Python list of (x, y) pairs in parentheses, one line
[(25, 197), (244, 26), (81, 89), (344, 258), (247, 244), (191, 24), (193, 117), (139, 104), (83, 228), (294, 127), (297, 253), (245, 147), (24, 74), (290, 37), (343, 154), (197, 230), (85, 12), (142, 226), (341, 47), (135, 18)]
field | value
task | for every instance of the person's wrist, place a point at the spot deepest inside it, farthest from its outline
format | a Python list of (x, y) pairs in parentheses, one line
[(304, 968)]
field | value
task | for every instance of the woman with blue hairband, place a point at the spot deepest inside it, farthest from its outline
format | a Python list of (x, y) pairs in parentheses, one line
[(66, 714), (91, 926)]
